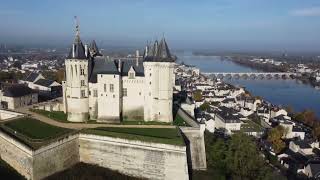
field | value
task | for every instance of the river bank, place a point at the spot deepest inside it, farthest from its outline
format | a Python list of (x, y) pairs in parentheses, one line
[(289, 92)]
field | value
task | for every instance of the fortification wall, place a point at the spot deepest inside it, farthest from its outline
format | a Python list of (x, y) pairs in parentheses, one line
[(135, 158), (194, 139), (56, 157), (17, 155)]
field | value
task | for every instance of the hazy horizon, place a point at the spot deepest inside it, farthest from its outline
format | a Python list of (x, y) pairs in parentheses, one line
[(221, 25)]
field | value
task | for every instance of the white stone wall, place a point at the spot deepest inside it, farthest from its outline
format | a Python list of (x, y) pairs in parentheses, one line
[(56, 157), (17, 155), (133, 103), (109, 102), (76, 104), (93, 100), (158, 91), (135, 158)]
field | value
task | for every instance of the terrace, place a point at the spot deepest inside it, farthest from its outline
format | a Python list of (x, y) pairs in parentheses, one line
[(32, 132), (155, 135)]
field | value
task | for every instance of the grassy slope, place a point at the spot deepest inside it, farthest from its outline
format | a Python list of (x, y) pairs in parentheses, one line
[(157, 135)]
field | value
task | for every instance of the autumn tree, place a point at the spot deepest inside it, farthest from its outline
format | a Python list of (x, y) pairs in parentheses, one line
[(275, 136), (197, 95)]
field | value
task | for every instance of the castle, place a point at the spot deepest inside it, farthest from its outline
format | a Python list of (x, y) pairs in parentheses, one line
[(111, 90)]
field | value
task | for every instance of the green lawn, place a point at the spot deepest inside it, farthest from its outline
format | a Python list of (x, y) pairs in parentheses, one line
[(55, 115), (35, 129), (129, 122), (179, 121), (157, 135)]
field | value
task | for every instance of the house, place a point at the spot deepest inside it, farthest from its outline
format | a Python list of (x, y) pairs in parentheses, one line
[(13, 96), (227, 119), (312, 169), (45, 87), (301, 147)]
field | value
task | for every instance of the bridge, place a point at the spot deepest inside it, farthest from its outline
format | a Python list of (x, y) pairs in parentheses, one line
[(253, 75)]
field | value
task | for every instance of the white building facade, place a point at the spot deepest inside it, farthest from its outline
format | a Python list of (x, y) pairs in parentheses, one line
[(106, 90)]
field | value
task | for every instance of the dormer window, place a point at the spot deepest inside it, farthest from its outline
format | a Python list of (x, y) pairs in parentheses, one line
[(131, 73)]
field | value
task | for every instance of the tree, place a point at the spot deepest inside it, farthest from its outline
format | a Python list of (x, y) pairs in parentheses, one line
[(243, 159), (216, 155), (60, 75), (205, 106), (275, 138), (197, 95)]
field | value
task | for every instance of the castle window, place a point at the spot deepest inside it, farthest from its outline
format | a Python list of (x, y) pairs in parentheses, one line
[(83, 93), (150, 74), (81, 71), (111, 88), (131, 75), (89, 93), (95, 93), (82, 83), (114, 96), (124, 92), (150, 82), (140, 93), (105, 87)]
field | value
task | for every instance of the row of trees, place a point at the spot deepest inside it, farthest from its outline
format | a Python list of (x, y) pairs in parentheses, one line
[(236, 158)]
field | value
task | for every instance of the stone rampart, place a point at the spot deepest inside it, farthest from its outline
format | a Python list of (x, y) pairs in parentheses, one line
[(134, 158)]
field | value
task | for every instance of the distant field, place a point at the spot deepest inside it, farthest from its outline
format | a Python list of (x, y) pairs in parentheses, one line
[(157, 135)]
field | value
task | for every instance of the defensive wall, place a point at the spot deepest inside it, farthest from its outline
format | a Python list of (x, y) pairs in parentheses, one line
[(131, 157)]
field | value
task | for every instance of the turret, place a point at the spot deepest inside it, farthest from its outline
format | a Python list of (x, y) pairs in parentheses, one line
[(75, 88), (158, 68)]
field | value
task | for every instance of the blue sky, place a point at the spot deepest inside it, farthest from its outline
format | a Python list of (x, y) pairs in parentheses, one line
[(202, 24)]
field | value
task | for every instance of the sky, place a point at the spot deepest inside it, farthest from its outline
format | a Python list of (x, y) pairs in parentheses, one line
[(186, 24)]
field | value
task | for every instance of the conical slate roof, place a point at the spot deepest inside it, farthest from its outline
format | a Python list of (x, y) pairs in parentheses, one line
[(94, 50), (77, 50), (159, 52), (163, 50)]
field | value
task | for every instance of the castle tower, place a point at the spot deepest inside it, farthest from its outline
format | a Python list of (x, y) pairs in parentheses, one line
[(158, 67), (75, 88)]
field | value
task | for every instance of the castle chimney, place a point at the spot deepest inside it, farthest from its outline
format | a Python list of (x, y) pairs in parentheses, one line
[(73, 50), (119, 65), (137, 57)]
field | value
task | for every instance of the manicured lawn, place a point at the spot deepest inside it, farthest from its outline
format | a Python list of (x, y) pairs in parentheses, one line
[(128, 122), (55, 115), (35, 129), (157, 135)]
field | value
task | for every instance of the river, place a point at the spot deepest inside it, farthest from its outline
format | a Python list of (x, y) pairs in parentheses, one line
[(277, 91)]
